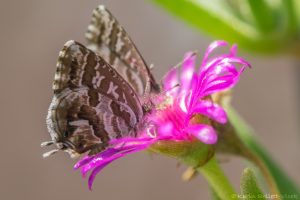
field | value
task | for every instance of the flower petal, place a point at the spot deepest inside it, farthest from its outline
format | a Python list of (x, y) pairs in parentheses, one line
[(220, 84), (233, 50), (211, 110), (170, 80), (165, 129), (100, 166), (204, 133), (83, 162), (223, 75), (187, 71), (211, 48)]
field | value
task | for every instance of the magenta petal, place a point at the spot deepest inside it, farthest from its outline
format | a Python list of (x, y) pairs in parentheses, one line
[(217, 68), (219, 85), (93, 163), (166, 129), (99, 168), (215, 76), (102, 159), (225, 60), (204, 133), (194, 82), (101, 165), (237, 60), (221, 68), (89, 159), (187, 71), (170, 80), (83, 161), (233, 50), (211, 48), (221, 79), (192, 97), (211, 110), (98, 160), (184, 101), (108, 154)]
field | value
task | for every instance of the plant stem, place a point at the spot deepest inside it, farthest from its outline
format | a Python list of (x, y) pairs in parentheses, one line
[(274, 175), (229, 142), (265, 172), (217, 179)]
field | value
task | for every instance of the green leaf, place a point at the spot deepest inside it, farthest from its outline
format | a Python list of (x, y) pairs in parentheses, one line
[(260, 26), (249, 187), (263, 15), (215, 18), (214, 195), (291, 24)]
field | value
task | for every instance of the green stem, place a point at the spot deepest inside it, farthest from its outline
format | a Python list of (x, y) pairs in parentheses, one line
[(200, 157), (230, 142), (260, 156), (217, 179)]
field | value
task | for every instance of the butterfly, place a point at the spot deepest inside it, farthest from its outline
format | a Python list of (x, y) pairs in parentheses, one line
[(102, 91)]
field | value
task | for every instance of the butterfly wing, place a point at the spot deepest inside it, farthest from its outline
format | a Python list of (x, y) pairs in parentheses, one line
[(109, 39), (80, 67), (105, 99)]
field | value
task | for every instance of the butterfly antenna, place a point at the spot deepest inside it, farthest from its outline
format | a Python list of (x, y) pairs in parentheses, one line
[(47, 143), (172, 88), (49, 153), (193, 53)]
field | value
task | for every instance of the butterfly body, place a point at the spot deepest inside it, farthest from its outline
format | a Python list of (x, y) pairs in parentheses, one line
[(100, 93)]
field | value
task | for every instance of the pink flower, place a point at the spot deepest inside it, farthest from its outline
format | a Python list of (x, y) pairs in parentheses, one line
[(172, 117), (193, 96), (120, 148)]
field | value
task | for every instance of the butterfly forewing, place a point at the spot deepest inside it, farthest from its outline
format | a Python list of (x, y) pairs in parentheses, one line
[(108, 38)]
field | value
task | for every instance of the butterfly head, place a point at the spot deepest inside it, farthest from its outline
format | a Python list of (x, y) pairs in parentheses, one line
[(69, 131)]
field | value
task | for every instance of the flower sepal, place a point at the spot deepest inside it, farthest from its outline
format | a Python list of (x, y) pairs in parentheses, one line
[(192, 153)]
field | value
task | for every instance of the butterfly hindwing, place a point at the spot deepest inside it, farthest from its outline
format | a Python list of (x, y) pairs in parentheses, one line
[(109, 39), (92, 103)]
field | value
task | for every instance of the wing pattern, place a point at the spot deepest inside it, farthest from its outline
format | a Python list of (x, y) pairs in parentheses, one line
[(112, 104)]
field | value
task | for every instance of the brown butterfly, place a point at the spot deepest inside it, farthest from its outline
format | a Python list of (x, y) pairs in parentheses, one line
[(101, 91)]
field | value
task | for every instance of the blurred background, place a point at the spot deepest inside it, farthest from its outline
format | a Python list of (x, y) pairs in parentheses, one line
[(32, 34)]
